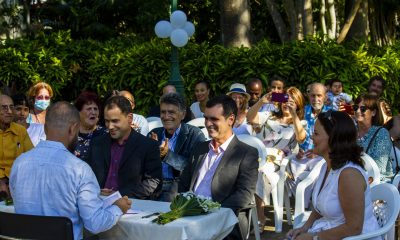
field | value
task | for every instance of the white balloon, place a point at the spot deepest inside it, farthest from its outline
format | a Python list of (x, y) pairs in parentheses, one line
[(163, 29), (178, 19), (189, 28), (179, 37)]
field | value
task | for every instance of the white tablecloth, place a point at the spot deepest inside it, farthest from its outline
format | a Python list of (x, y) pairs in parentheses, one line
[(216, 225)]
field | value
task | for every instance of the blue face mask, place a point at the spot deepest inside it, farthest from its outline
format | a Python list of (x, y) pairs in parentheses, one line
[(42, 104)]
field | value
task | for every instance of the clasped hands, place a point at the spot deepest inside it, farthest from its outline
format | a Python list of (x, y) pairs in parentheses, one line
[(164, 148)]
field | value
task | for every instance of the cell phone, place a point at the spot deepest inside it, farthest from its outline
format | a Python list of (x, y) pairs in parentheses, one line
[(348, 109), (279, 97)]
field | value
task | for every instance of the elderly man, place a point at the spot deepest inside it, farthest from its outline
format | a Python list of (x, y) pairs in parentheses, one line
[(224, 169), (49, 180), (14, 140), (155, 110), (254, 89), (123, 159), (177, 141)]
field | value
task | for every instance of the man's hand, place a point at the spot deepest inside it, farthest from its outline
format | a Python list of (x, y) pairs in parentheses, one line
[(266, 98), (106, 191), (164, 148), (124, 204)]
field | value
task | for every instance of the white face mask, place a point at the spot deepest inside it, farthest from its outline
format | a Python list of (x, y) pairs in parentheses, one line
[(42, 104)]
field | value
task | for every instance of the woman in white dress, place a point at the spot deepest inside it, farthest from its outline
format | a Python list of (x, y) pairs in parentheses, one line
[(281, 132), (341, 196), (202, 93)]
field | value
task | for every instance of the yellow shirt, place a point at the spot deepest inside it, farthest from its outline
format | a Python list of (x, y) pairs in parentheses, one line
[(13, 142)]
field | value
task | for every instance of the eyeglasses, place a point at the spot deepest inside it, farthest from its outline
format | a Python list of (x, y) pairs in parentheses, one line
[(6, 108), (41, 97), (363, 109)]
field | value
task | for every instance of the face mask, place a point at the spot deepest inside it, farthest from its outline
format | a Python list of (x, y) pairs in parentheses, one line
[(42, 104)]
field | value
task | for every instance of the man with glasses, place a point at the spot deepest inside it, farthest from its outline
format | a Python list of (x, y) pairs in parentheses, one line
[(14, 140)]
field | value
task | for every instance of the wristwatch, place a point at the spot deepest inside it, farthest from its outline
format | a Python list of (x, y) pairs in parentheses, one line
[(315, 236)]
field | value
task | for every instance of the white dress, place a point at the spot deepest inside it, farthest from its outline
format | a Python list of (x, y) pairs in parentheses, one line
[(327, 204), (195, 108), (36, 133)]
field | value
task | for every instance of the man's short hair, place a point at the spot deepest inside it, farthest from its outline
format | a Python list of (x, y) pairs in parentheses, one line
[(228, 105), (174, 99), (120, 102), (61, 114), (253, 80), (379, 79)]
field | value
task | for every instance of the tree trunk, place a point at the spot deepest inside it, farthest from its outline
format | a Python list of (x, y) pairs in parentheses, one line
[(322, 13), (359, 29), (291, 14), (382, 23), (235, 23), (308, 25), (278, 21), (299, 20), (349, 21), (332, 19)]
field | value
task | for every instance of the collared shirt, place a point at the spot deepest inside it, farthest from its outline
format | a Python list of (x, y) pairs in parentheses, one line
[(207, 170), (51, 181), (116, 155), (310, 117), (167, 170), (13, 141)]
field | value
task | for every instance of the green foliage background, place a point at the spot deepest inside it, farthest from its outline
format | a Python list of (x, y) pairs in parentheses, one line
[(143, 68)]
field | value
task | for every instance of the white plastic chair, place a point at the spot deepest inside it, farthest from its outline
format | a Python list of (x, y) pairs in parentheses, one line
[(300, 215), (386, 214), (198, 122), (205, 132), (372, 169), (277, 192), (155, 124), (395, 152), (262, 154), (151, 119)]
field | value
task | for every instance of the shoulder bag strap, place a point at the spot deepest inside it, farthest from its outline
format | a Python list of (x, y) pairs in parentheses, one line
[(372, 139)]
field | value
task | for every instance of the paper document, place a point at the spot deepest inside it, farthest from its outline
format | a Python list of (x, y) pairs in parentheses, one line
[(109, 200)]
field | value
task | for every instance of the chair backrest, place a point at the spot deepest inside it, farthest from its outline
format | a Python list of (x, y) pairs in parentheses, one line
[(205, 132), (386, 213), (35, 227), (151, 119), (372, 169), (395, 152), (301, 188), (198, 122), (155, 124), (257, 143)]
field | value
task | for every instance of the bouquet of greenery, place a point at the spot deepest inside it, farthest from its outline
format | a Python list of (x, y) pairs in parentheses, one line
[(187, 204)]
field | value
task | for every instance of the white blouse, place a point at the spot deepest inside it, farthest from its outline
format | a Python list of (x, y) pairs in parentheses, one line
[(195, 108), (327, 203)]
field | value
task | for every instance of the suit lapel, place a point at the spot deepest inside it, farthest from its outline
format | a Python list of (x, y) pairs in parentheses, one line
[(196, 168), (107, 151), (181, 138), (130, 146)]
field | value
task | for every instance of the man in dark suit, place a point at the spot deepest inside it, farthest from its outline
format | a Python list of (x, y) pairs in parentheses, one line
[(125, 160), (176, 140), (224, 168)]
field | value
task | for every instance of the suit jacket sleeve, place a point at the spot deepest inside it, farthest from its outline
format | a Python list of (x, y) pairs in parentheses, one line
[(186, 177), (152, 174), (246, 182)]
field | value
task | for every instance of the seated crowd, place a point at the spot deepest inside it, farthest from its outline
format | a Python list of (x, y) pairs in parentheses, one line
[(90, 148)]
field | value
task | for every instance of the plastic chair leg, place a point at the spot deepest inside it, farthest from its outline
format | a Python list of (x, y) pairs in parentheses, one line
[(278, 210)]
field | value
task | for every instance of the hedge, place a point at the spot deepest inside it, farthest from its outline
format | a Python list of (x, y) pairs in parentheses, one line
[(143, 67)]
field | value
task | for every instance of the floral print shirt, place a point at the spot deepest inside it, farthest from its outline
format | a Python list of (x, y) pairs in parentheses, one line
[(84, 139)]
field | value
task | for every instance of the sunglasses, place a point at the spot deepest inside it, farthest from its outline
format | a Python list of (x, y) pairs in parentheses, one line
[(41, 97), (363, 109)]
